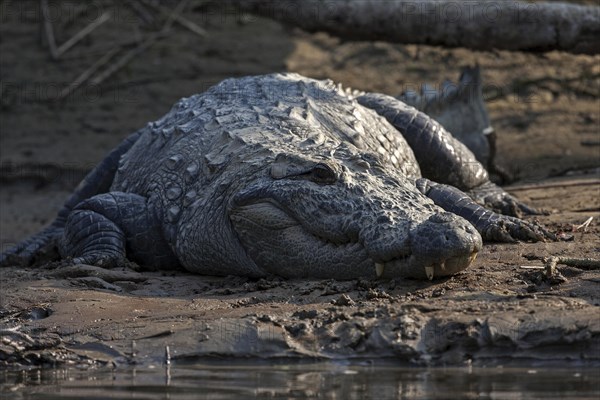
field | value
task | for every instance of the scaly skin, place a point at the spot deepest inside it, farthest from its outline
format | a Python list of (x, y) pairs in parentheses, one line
[(285, 175), (460, 109)]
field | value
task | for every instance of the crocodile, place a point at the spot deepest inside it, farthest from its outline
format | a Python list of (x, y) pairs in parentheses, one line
[(286, 175)]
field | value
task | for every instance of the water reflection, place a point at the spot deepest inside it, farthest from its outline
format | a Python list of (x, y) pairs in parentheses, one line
[(323, 380)]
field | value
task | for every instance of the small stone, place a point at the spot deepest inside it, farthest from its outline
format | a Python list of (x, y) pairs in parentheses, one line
[(203, 337), (297, 329), (306, 314), (373, 294), (265, 318), (343, 300)]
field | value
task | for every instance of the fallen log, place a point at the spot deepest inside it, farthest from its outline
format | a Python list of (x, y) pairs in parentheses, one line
[(479, 25)]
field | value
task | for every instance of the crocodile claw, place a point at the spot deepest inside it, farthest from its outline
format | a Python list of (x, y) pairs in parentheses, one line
[(495, 198), (510, 229)]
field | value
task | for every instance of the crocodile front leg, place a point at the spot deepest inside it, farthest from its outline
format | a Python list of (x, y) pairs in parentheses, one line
[(491, 226), (109, 228), (495, 198), (96, 182)]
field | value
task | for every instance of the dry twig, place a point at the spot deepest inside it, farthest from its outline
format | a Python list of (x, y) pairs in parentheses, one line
[(141, 11), (82, 33), (590, 142), (547, 185), (85, 75), (48, 30), (583, 226), (126, 58), (177, 18), (581, 263), (531, 267), (172, 16)]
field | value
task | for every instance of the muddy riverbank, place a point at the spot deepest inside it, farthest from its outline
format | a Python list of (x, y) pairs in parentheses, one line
[(545, 108)]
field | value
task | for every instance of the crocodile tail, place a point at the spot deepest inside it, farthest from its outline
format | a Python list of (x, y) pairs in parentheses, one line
[(470, 76), (97, 181)]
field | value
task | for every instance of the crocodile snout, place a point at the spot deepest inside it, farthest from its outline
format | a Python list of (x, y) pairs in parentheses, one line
[(444, 244)]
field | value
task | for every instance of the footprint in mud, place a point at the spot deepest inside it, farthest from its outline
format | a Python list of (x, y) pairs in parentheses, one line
[(116, 280), (36, 313)]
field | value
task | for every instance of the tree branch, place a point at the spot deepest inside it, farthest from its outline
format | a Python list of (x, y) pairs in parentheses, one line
[(479, 25)]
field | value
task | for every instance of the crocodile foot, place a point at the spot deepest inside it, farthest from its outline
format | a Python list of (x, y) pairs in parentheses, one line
[(495, 198), (37, 250), (504, 228)]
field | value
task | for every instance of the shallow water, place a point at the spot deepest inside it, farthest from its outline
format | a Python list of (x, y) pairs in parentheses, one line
[(283, 381)]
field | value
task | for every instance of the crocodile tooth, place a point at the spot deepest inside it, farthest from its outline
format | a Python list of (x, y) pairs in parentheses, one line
[(429, 272), (472, 257), (379, 269)]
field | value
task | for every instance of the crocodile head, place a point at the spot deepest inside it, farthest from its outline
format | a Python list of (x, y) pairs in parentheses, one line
[(347, 218)]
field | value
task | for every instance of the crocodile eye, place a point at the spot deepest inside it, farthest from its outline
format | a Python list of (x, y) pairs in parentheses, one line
[(295, 168), (323, 174)]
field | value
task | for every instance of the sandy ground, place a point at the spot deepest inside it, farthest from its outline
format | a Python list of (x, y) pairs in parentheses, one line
[(545, 108)]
